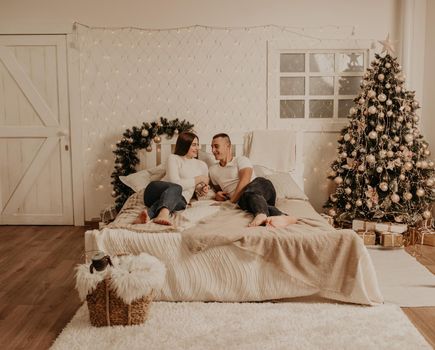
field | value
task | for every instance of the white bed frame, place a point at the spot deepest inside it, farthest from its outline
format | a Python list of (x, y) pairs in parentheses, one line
[(162, 150)]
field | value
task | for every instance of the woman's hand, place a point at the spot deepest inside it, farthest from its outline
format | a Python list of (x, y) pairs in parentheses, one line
[(201, 178)]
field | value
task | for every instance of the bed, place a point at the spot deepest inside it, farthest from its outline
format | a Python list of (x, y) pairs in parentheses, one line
[(211, 255)]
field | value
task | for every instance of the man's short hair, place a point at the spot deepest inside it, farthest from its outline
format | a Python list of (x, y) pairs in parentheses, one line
[(224, 136)]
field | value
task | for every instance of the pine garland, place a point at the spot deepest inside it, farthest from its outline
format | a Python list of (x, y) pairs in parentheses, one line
[(133, 140)]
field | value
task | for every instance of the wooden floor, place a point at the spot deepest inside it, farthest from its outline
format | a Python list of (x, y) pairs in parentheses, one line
[(37, 295)]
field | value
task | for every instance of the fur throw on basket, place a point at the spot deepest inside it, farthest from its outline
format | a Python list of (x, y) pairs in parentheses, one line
[(131, 277)]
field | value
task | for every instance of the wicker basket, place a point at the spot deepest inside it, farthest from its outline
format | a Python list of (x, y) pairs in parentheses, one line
[(107, 309)]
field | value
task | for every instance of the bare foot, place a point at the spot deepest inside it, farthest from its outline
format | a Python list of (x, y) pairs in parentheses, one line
[(260, 219), (280, 221), (142, 218), (163, 217)]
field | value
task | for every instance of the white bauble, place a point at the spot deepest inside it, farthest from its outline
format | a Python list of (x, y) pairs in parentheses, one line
[(358, 202), (371, 93), (348, 206), (373, 135), (388, 65), (408, 166), (408, 125), (407, 196), (398, 218), (409, 137), (400, 118), (427, 214), (389, 102), (395, 198), (352, 141), (144, 133), (390, 154), (382, 153), (371, 159), (113, 194), (429, 182), (407, 108), (362, 167), (338, 180), (372, 110), (382, 97), (332, 212), (381, 114), (430, 164), (379, 127), (344, 155), (361, 101), (383, 186), (379, 169), (418, 164), (424, 164), (416, 118), (352, 111), (348, 190), (333, 198), (426, 152), (381, 77), (389, 113), (398, 89), (353, 154), (415, 104), (402, 177), (396, 138), (346, 137), (420, 192), (387, 85)]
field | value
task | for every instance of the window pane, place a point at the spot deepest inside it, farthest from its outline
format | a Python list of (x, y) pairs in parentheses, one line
[(321, 108), (292, 62), (351, 62), (349, 85), (292, 109), (343, 108), (292, 86), (322, 86), (322, 62)]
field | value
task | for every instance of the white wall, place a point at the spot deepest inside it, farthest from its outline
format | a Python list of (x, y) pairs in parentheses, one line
[(372, 19)]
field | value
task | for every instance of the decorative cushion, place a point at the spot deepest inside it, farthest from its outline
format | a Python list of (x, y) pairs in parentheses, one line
[(139, 180), (285, 186)]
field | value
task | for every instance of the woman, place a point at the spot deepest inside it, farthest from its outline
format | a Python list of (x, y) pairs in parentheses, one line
[(184, 172)]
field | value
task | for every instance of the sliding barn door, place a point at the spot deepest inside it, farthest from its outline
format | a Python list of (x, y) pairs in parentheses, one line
[(35, 161)]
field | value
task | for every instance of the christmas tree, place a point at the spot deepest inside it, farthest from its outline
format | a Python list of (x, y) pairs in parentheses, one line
[(382, 171)]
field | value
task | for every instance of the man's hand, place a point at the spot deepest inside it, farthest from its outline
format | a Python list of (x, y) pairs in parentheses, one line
[(222, 196)]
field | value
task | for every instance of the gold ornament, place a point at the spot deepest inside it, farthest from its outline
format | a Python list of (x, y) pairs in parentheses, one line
[(348, 190), (144, 133), (383, 186), (389, 113), (420, 192), (381, 115), (346, 137), (149, 148), (407, 196), (424, 164), (427, 214), (387, 85), (361, 101), (332, 212), (388, 65), (381, 77), (348, 206), (395, 198), (338, 180), (358, 202), (398, 89), (113, 194), (371, 159), (429, 182), (362, 167), (379, 169), (389, 102), (373, 135), (157, 139), (371, 93), (382, 97), (408, 166), (333, 198)]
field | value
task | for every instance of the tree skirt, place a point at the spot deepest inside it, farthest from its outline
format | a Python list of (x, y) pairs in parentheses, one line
[(285, 325)]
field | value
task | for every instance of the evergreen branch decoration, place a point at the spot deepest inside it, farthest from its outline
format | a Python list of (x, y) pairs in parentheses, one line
[(133, 140), (382, 171)]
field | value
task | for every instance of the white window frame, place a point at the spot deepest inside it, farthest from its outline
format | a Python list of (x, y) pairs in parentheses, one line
[(275, 49)]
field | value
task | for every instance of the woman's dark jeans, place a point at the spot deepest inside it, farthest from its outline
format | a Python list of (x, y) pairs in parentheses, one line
[(259, 197), (162, 194)]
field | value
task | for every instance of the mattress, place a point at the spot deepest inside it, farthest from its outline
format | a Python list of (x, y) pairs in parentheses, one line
[(228, 273)]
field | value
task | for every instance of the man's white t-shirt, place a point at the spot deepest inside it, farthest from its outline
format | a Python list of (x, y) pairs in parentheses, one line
[(227, 177), (182, 171)]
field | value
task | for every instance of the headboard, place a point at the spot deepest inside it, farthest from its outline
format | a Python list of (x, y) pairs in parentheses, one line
[(161, 151)]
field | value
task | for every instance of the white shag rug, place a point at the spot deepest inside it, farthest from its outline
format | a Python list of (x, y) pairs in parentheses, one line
[(292, 325)]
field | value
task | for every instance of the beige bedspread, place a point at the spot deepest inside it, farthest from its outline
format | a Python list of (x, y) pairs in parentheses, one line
[(310, 251)]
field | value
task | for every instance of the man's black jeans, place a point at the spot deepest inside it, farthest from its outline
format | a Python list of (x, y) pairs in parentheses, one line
[(259, 197)]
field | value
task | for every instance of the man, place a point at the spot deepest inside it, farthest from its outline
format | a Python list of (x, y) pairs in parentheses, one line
[(235, 180)]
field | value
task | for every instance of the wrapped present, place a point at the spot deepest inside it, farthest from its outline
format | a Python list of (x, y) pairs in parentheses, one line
[(369, 237), (378, 226), (391, 227), (391, 239), (358, 225)]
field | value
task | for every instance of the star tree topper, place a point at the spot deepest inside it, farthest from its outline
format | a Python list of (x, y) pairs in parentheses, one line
[(387, 45)]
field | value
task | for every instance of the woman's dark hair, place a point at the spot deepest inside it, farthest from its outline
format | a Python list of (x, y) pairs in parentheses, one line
[(184, 141)]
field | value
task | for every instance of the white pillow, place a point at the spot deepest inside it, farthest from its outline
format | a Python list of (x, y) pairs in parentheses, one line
[(206, 157), (141, 179), (262, 171), (285, 186)]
